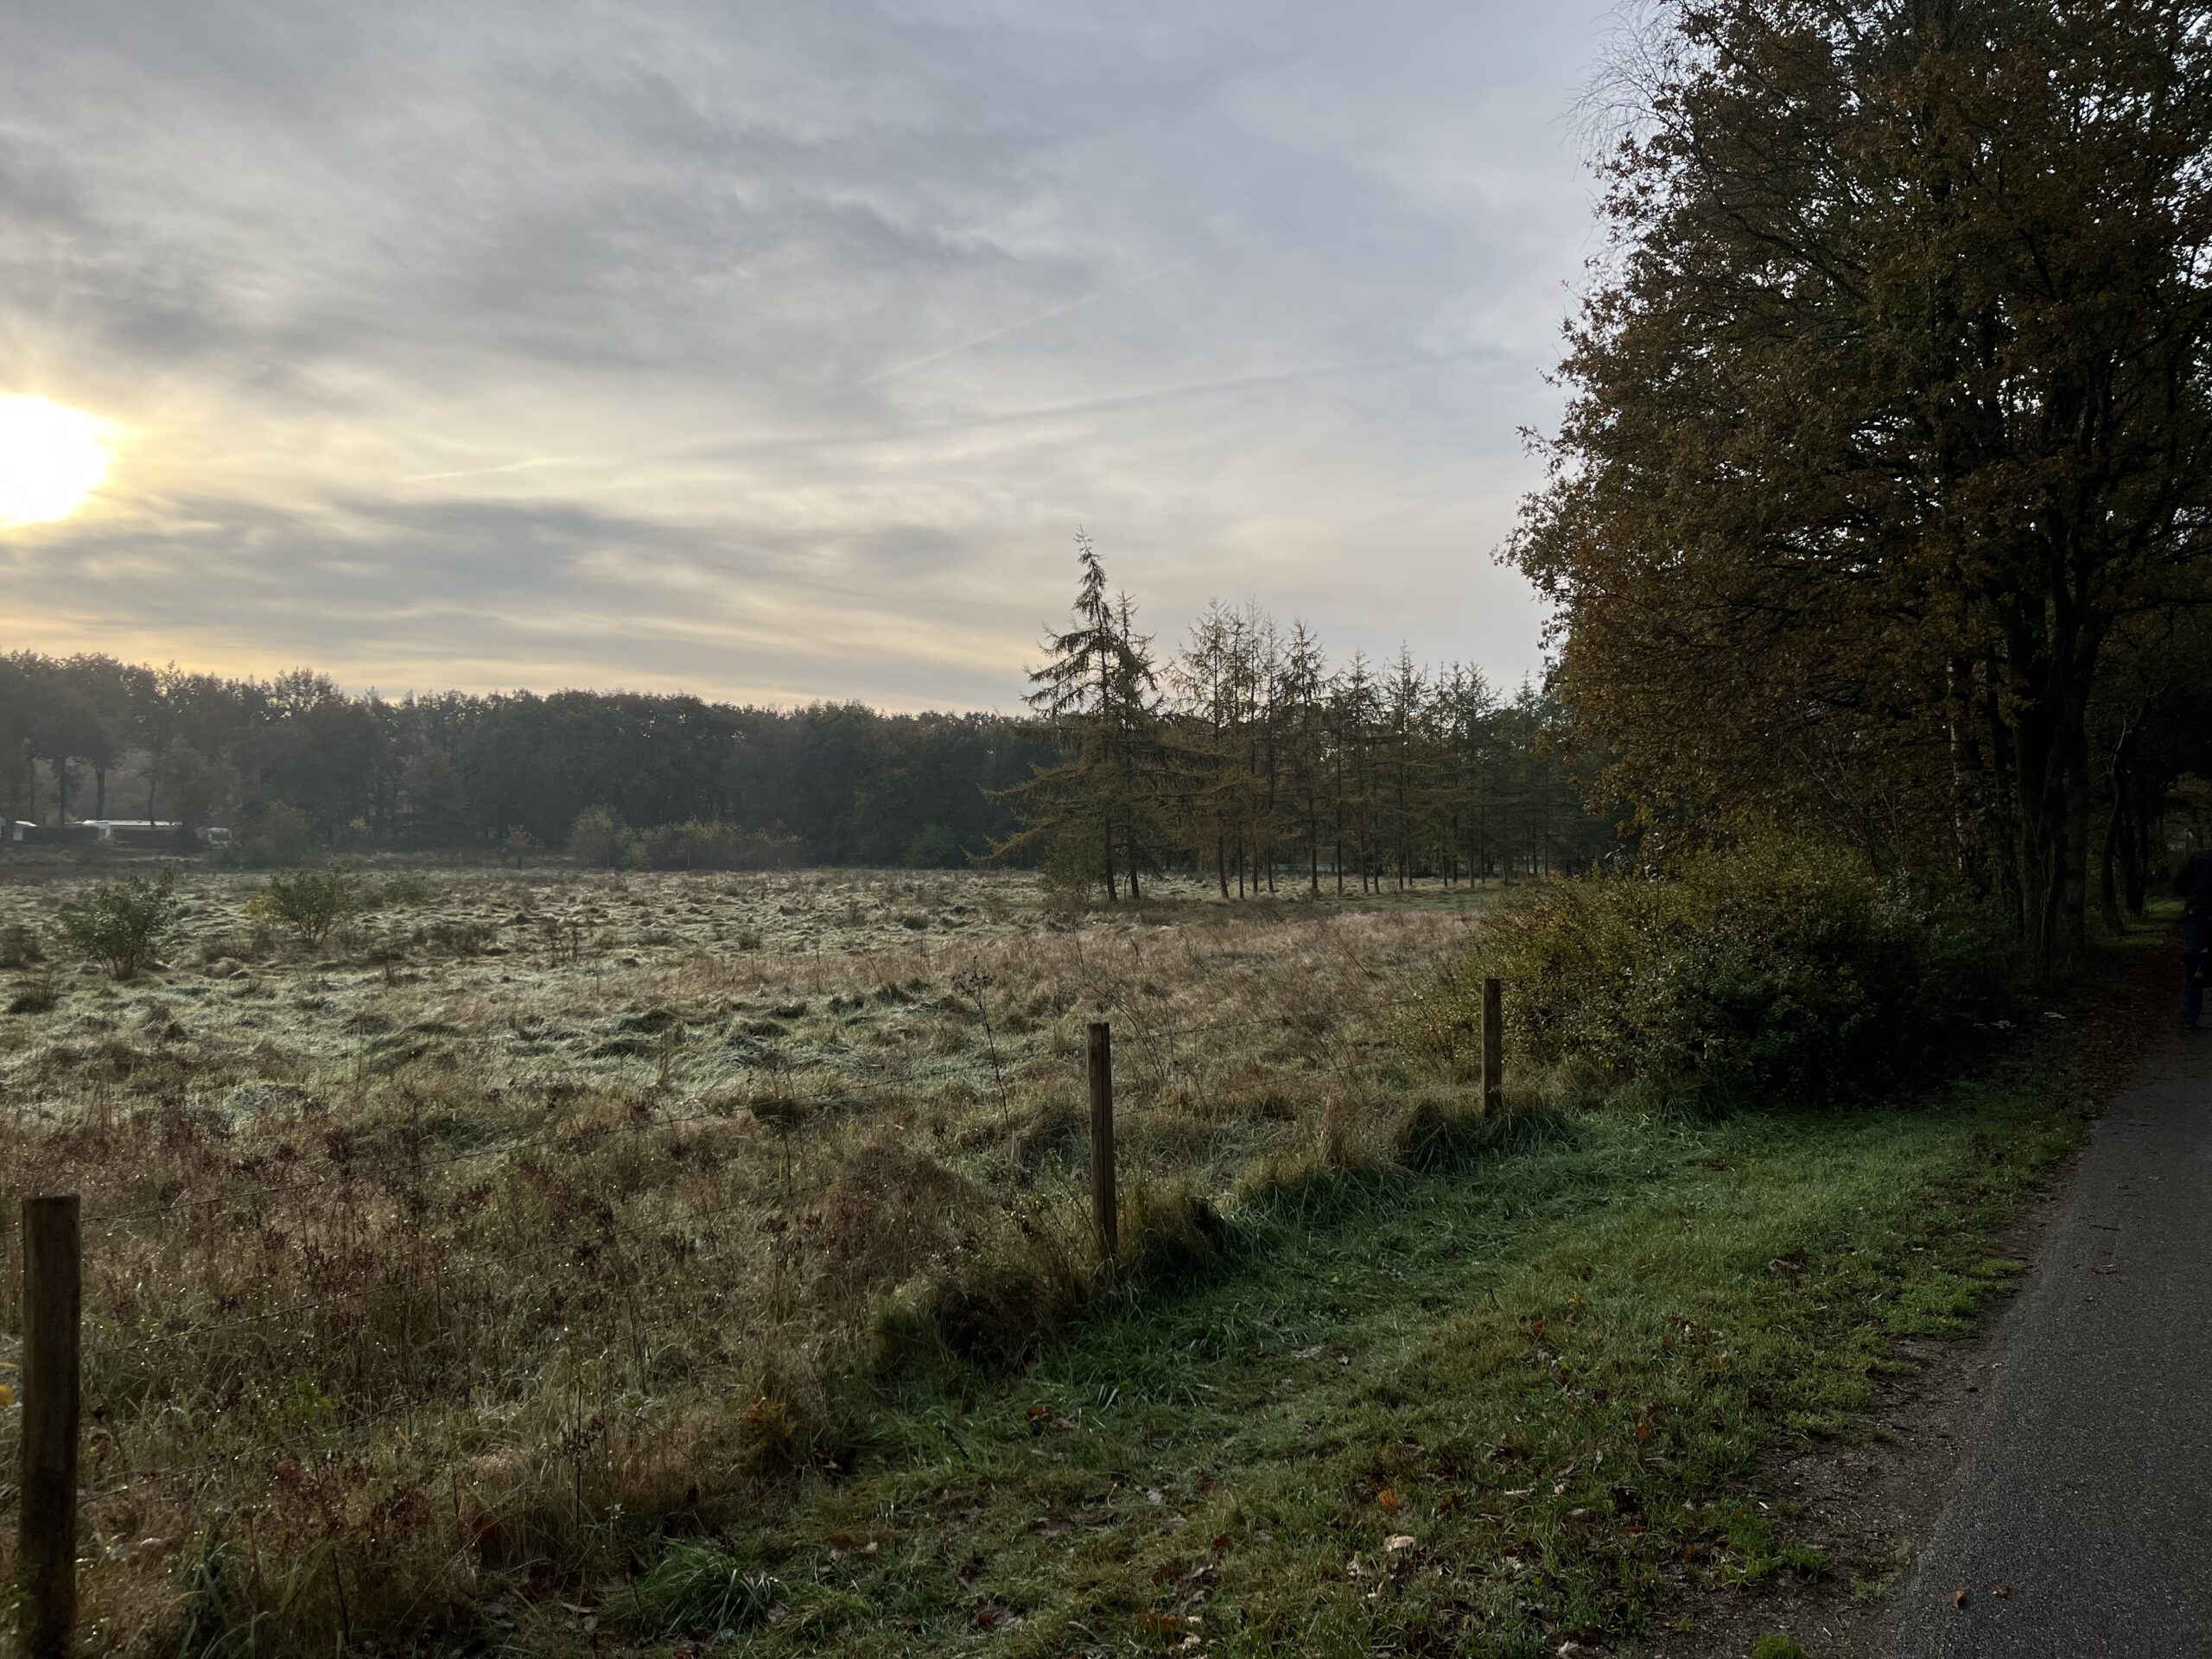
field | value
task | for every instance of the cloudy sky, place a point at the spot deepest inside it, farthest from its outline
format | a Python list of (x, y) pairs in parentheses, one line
[(777, 348)]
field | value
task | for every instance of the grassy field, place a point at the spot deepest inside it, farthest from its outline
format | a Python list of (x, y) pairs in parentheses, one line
[(534, 1214), (575, 1264)]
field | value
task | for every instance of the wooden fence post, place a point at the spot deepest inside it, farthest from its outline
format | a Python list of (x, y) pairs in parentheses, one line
[(1105, 1213), (1493, 1046), (45, 1550)]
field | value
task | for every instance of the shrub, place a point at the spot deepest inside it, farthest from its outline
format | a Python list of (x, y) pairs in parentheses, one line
[(121, 925), (598, 837), (19, 946), (268, 836), (1766, 974), (711, 845), (1071, 877), (407, 888), (934, 846), (310, 903)]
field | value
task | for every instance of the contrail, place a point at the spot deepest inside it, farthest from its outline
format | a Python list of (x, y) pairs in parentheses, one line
[(480, 471), (1137, 281)]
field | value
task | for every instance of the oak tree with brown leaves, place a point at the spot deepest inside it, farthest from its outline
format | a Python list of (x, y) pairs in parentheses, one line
[(1889, 408)]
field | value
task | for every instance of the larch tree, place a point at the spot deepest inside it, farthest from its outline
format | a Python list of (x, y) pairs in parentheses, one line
[(1095, 695)]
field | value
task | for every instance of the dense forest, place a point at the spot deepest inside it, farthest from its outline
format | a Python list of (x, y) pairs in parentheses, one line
[(1882, 505), (1414, 772)]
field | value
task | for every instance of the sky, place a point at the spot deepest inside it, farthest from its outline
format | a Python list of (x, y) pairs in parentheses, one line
[(777, 349)]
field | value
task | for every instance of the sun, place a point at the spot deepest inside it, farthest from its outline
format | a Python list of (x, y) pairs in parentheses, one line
[(52, 457)]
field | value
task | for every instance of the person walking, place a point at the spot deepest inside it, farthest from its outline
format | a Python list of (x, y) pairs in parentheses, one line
[(2193, 887)]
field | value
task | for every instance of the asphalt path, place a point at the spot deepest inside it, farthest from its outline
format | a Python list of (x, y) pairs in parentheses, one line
[(2080, 1521)]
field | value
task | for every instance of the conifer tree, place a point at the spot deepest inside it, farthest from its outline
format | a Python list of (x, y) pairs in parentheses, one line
[(1095, 695)]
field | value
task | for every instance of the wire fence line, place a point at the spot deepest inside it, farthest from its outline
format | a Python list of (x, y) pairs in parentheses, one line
[(376, 1408), (352, 1169), (411, 1162), (685, 1234), (389, 1157)]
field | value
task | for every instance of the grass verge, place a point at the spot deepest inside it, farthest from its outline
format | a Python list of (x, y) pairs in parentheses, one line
[(1488, 1412)]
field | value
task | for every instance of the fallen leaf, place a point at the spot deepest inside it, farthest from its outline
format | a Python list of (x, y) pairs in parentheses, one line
[(1388, 1500), (2002, 1591), (1959, 1598), (1400, 1540)]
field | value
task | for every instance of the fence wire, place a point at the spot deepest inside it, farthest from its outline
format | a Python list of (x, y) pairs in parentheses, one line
[(690, 1235)]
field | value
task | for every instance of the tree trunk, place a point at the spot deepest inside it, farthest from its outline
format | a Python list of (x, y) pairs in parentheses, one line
[(2141, 817), (2076, 870), (2108, 892), (2044, 811)]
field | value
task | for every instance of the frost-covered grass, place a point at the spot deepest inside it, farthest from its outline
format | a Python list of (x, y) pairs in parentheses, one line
[(535, 1216)]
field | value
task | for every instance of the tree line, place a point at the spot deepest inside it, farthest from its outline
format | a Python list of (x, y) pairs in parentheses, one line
[(1882, 501), (1243, 758), (303, 764), (1376, 773)]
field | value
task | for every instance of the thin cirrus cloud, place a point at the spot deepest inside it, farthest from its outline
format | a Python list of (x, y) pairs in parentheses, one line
[(777, 352)]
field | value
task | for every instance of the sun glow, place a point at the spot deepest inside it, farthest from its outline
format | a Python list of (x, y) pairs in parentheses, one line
[(52, 457)]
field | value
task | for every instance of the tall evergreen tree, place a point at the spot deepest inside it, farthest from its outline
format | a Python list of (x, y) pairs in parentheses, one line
[(1096, 695)]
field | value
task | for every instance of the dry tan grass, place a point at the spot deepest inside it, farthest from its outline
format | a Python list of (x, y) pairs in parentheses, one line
[(456, 1256)]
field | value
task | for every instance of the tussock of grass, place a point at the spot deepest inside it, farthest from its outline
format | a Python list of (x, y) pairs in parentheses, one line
[(700, 1589)]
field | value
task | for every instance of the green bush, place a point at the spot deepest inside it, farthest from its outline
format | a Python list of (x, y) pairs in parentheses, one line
[(268, 836), (599, 837), (934, 846), (710, 846), (409, 889), (310, 903), (121, 925), (1765, 975), (1072, 875)]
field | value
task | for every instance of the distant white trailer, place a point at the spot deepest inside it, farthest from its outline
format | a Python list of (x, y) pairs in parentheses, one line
[(109, 828)]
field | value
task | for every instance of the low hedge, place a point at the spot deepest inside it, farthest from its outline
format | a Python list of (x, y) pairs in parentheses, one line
[(1762, 976)]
